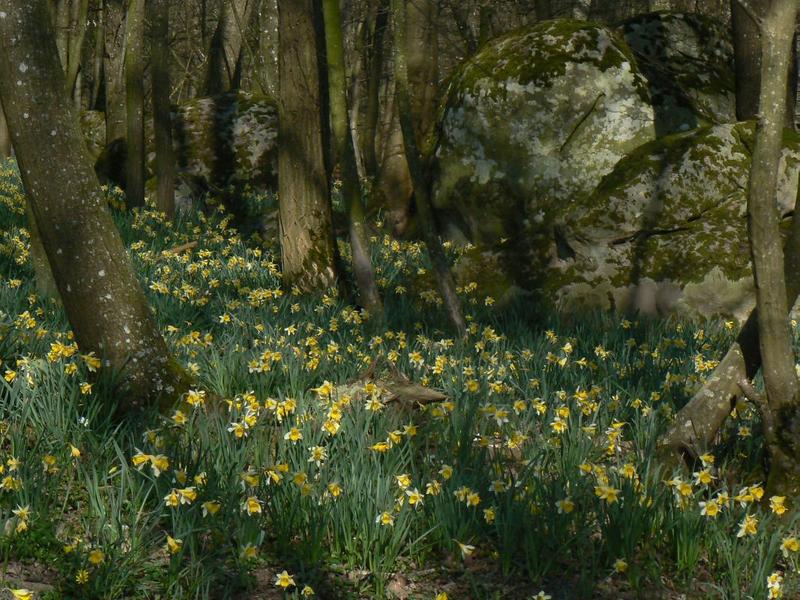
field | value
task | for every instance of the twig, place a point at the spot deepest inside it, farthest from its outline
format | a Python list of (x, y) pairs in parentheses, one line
[(181, 248)]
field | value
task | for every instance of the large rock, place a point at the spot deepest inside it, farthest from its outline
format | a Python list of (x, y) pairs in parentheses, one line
[(667, 229), (220, 142), (688, 62), (533, 121)]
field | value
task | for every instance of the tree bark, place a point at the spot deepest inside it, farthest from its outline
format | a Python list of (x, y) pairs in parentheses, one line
[(343, 143), (374, 62), (268, 47), (307, 244), (104, 302), (227, 43), (97, 58), (422, 60), (747, 57), (781, 407), (425, 216), (79, 10), (162, 122), (5, 136), (113, 70), (134, 104)]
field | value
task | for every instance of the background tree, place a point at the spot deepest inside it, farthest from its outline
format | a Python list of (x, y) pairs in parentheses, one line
[(344, 150), (444, 276), (5, 136), (747, 49), (103, 300), (134, 103), (162, 122), (113, 69), (307, 244), (227, 47)]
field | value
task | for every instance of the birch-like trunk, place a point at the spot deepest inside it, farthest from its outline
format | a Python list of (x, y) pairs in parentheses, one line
[(104, 302)]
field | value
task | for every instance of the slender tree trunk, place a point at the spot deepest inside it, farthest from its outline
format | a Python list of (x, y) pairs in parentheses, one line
[(5, 137), (781, 407), (747, 57), (60, 17), (102, 297), (114, 71), (307, 244), (374, 75), (134, 104), (422, 59), (78, 13), (427, 223), (343, 142), (227, 43), (97, 58), (268, 47), (162, 122)]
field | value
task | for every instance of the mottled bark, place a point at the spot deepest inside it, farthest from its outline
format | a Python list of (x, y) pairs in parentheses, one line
[(162, 122), (781, 406), (113, 70), (134, 104), (425, 216), (227, 44), (102, 297), (747, 57), (268, 47), (307, 244), (344, 149)]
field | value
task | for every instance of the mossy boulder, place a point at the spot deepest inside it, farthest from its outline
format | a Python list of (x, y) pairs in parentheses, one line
[(221, 142), (666, 230), (688, 62), (533, 121)]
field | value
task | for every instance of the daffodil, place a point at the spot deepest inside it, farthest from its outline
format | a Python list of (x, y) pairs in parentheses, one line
[(284, 580)]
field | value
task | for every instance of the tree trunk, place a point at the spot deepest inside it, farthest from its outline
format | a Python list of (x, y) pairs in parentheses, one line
[(747, 57), (227, 43), (114, 71), (162, 122), (781, 408), (5, 137), (134, 104), (307, 244), (422, 60), (104, 302), (374, 64), (268, 47), (97, 58), (343, 143), (79, 11), (425, 216)]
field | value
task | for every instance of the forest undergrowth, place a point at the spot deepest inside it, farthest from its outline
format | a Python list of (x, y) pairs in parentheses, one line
[(322, 453)]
